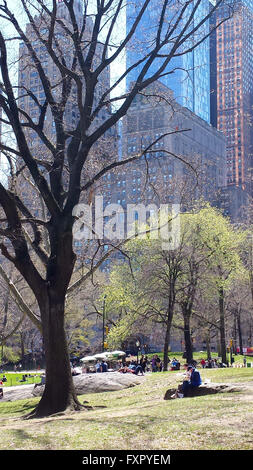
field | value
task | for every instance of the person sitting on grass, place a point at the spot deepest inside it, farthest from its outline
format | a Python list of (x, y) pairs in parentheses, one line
[(175, 364), (43, 381), (1, 390), (192, 381)]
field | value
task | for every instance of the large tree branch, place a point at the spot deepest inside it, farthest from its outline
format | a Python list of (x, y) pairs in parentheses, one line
[(18, 299)]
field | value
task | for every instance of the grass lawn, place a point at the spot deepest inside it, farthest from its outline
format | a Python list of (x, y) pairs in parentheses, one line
[(202, 355), (14, 379), (139, 418)]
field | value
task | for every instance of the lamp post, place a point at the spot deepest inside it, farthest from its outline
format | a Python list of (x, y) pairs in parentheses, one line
[(103, 343), (231, 352), (137, 345)]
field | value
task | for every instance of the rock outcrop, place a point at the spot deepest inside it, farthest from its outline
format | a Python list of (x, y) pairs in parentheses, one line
[(97, 383), (206, 389), (84, 383)]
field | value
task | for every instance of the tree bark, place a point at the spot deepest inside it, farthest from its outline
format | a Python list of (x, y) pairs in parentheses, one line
[(167, 340), (187, 337), (208, 347), (59, 394), (222, 326), (239, 328), (22, 348)]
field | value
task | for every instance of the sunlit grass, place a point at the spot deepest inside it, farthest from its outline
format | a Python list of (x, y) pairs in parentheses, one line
[(139, 418), (14, 379)]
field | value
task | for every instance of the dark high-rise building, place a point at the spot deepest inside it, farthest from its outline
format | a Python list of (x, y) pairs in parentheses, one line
[(178, 142), (232, 90), (31, 97), (31, 93)]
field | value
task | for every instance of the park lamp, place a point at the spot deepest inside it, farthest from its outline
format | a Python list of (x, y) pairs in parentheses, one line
[(137, 345)]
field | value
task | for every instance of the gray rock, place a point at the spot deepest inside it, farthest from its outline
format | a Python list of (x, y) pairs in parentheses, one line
[(207, 389), (105, 382), (101, 382), (84, 383), (19, 392)]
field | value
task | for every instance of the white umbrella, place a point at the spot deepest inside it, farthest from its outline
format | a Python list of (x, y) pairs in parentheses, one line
[(101, 356), (116, 353), (88, 359)]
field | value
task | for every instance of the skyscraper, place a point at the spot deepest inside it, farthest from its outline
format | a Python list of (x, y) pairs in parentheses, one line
[(190, 80), (32, 99), (232, 74), (159, 176), (31, 90), (0, 136)]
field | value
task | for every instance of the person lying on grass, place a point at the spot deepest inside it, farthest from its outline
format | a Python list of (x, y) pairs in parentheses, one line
[(135, 370)]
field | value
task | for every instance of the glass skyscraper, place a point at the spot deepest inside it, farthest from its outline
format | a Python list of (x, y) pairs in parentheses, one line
[(187, 75), (233, 74)]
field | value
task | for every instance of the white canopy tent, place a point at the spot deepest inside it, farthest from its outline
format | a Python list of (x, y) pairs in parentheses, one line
[(105, 355), (88, 359)]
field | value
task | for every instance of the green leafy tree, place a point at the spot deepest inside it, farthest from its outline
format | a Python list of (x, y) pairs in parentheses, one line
[(157, 281)]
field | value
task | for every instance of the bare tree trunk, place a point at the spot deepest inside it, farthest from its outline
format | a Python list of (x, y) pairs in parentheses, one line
[(59, 394), (187, 337), (22, 348), (167, 338), (250, 331), (239, 328), (222, 326), (234, 347), (208, 347)]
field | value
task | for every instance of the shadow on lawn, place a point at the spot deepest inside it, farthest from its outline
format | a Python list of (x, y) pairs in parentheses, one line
[(20, 409), (22, 435), (143, 422)]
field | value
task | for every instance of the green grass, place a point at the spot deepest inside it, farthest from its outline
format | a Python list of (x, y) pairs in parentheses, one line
[(14, 379), (197, 356), (139, 418)]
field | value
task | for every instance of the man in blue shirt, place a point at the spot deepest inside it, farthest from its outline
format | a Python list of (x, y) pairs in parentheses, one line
[(103, 366), (194, 380)]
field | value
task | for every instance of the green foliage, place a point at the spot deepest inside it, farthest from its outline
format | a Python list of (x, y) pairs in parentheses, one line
[(207, 259), (78, 330), (7, 354)]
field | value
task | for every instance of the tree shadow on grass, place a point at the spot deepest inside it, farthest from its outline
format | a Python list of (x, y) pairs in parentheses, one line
[(48, 420), (143, 422), (22, 435), (15, 411)]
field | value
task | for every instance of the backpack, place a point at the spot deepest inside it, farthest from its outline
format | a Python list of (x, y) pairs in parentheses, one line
[(195, 378)]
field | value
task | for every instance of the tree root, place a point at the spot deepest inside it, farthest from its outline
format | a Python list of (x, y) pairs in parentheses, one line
[(74, 407)]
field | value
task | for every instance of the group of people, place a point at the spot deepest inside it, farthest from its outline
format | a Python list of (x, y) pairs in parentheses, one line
[(209, 363), (136, 367), (174, 364), (156, 364), (153, 365), (101, 366), (133, 368), (212, 363)]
